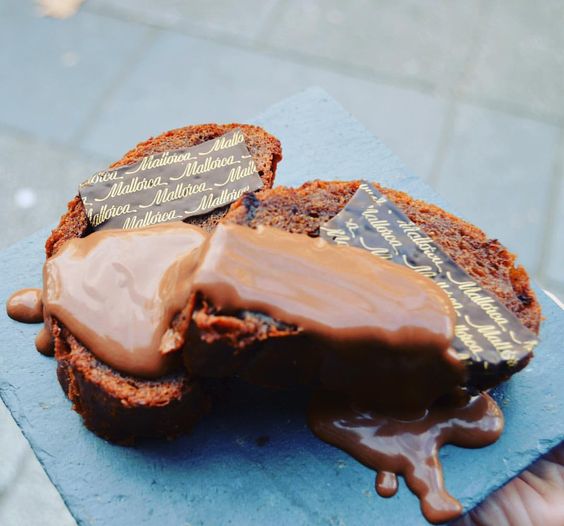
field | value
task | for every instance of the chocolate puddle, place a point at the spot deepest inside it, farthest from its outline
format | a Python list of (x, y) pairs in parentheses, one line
[(407, 447), (26, 306)]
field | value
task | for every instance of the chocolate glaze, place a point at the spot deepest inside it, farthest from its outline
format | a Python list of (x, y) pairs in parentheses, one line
[(25, 306), (407, 447), (383, 330), (118, 291), (297, 279)]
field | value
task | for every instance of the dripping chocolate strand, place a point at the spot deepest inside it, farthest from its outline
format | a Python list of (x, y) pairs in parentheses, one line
[(386, 483), (44, 342)]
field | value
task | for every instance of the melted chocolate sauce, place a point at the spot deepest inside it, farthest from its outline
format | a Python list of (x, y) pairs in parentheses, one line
[(338, 293), (25, 306), (410, 448), (118, 291)]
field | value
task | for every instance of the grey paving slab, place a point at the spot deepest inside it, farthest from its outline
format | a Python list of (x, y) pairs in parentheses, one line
[(520, 60), (406, 120), (27, 496), (425, 42), (54, 72), (220, 17), (37, 180), (497, 174), (186, 80), (555, 256)]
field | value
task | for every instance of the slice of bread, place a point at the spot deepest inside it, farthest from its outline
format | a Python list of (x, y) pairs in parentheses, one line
[(116, 406), (267, 352)]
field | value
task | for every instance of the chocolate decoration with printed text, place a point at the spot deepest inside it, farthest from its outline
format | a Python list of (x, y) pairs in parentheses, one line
[(489, 340), (171, 186)]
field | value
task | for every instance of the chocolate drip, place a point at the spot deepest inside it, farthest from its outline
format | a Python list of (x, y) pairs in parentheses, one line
[(386, 484), (44, 342), (118, 291), (407, 447), (25, 306)]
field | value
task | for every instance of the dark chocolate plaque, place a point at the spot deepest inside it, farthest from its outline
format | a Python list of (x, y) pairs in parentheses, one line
[(171, 186), (489, 339)]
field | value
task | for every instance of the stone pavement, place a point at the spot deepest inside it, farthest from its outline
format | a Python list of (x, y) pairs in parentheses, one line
[(469, 94)]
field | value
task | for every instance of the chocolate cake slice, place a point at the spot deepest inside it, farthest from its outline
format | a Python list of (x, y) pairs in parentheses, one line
[(268, 352), (117, 406)]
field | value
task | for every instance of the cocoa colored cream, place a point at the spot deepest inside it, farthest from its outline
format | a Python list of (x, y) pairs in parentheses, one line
[(118, 291), (341, 294)]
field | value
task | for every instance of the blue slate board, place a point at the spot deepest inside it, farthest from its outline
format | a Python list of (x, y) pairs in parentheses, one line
[(220, 475)]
